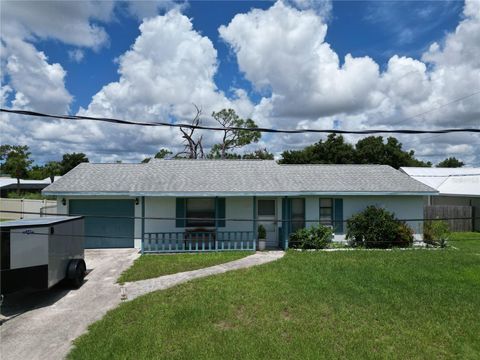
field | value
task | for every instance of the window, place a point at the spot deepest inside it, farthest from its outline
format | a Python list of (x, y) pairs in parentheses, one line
[(199, 209), (326, 211), (297, 214), (266, 207)]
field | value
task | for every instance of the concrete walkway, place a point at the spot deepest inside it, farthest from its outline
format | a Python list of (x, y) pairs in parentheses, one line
[(142, 287), (42, 325)]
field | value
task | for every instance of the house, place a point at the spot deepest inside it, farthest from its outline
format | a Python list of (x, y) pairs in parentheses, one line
[(188, 205), (457, 187), (8, 184)]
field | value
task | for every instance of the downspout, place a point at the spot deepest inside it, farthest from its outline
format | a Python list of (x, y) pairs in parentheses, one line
[(254, 223), (143, 222)]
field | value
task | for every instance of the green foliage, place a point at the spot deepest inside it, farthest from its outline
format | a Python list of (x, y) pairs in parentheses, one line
[(233, 138), (378, 228), (16, 161), (260, 154), (28, 195), (314, 237), (69, 161), (162, 153), (334, 150), (262, 233), (369, 150), (451, 162), (436, 233)]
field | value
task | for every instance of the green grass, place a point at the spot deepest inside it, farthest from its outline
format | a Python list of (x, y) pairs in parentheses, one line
[(412, 304), (151, 266)]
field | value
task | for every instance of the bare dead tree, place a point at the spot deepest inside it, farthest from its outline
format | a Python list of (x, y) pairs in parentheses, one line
[(193, 146)]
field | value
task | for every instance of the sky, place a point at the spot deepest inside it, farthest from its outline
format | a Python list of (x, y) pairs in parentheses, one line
[(290, 64)]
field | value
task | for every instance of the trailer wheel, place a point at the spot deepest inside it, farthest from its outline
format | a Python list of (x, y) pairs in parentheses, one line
[(76, 272)]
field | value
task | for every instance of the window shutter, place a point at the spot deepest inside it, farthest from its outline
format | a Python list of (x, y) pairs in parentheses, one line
[(181, 213), (338, 217), (220, 212)]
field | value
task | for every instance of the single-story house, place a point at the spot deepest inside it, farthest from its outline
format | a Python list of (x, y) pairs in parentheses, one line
[(457, 187), (186, 205), (8, 184)]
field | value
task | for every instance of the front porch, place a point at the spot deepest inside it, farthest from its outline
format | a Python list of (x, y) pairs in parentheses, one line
[(192, 241)]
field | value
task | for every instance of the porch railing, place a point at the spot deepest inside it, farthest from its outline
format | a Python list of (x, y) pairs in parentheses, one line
[(182, 241)]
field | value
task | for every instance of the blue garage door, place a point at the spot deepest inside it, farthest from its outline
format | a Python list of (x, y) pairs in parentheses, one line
[(106, 231)]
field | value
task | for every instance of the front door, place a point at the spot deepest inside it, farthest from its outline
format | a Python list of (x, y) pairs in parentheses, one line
[(267, 216)]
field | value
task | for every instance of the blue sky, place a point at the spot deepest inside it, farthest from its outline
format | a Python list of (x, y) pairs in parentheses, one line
[(297, 63), (379, 29)]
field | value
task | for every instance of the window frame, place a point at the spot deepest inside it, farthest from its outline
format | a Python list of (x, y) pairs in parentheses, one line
[(200, 223), (300, 223), (331, 207)]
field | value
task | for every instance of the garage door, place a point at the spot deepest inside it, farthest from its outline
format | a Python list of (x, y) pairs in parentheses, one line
[(106, 231)]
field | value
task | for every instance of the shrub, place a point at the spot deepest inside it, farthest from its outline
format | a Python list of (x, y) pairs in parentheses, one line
[(314, 237), (262, 233), (378, 228), (436, 233)]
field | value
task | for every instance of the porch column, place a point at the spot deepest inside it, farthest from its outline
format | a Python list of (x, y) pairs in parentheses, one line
[(254, 223), (143, 222)]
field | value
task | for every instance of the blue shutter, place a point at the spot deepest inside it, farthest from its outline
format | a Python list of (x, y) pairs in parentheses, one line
[(181, 213), (220, 211), (338, 217)]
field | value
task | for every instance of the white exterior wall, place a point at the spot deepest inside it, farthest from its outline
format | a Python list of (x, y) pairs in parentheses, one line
[(404, 207)]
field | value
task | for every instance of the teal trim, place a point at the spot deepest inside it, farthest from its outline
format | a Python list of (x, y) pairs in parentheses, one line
[(285, 222), (338, 216), (220, 211), (110, 223), (180, 212), (255, 229), (143, 223)]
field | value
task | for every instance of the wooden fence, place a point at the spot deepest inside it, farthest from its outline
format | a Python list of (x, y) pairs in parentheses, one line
[(461, 217)]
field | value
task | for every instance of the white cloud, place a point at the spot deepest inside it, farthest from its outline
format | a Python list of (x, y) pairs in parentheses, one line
[(160, 82), (76, 55), (71, 22), (283, 50)]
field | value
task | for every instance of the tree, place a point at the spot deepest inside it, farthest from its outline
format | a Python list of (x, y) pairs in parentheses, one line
[(451, 162), (260, 154), (234, 138), (69, 161), (372, 150), (52, 169), (193, 145), (162, 154), (17, 161), (334, 150)]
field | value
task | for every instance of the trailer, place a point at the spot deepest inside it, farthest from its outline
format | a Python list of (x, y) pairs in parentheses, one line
[(38, 253)]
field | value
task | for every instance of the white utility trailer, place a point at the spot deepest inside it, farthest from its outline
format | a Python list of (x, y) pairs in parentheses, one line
[(38, 253)]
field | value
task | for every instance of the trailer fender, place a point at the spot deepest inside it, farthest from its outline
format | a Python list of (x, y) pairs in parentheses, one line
[(76, 270)]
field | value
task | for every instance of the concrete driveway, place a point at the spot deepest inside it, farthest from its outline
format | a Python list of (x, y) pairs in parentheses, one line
[(42, 325)]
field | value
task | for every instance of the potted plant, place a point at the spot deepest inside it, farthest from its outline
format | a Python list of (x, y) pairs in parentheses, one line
[(262, 237)]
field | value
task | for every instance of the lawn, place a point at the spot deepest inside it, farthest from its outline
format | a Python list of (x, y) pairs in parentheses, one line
[(414, 304), (150, 266)]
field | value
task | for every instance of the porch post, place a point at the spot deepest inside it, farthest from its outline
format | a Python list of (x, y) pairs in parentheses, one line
[(286, 231), (143, 222), (216, 223), (254, 223)]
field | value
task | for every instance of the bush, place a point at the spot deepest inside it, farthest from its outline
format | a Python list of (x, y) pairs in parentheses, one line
[(262, 233), (378, 228), (436, 233), (314, 237)]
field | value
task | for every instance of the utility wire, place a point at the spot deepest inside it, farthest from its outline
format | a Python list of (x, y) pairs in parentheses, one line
[(259, 129)]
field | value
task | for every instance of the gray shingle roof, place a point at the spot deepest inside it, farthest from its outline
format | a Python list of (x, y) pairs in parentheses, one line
[(172, 177)]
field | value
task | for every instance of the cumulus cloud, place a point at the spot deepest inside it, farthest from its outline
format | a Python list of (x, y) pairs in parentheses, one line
[(163, 82), (282, 52)]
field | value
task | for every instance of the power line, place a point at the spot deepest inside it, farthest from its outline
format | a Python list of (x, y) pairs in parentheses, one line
[(259, 129)]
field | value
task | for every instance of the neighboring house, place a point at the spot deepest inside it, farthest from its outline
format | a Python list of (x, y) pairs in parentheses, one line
[(456, 187), (179, 201), (8, 184)]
